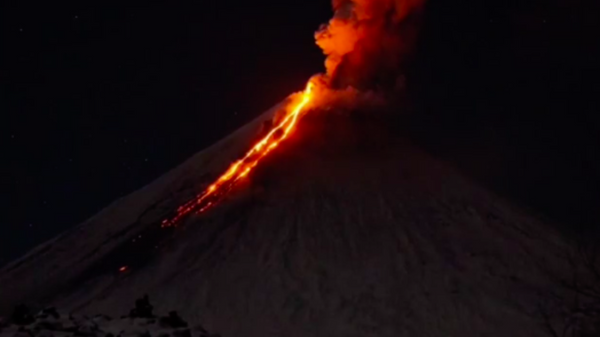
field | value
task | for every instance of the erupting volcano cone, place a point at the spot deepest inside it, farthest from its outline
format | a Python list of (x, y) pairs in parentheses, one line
[(343, 230)]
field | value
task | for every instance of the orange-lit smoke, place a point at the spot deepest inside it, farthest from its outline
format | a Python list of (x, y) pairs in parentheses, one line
[(367, 36), (363, 38)]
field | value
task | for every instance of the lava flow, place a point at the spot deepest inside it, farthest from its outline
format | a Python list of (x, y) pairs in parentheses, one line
[(242, 167), (359, 32)]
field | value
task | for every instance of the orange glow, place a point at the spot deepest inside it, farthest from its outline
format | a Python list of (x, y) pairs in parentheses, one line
[(361, 33), (367, 35), (242, 167), (123, 269)]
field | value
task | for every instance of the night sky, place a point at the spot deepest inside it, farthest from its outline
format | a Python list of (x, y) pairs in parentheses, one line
[(98, 98)]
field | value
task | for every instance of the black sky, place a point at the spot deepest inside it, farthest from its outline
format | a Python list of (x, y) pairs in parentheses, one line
[(99, 98)]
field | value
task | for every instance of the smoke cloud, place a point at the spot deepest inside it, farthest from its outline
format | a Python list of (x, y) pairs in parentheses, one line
[(367, 41)]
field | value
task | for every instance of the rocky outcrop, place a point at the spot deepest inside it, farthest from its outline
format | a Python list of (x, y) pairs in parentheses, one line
[(141, 322)]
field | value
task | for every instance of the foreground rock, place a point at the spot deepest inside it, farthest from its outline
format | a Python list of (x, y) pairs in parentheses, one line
[(139, 323)]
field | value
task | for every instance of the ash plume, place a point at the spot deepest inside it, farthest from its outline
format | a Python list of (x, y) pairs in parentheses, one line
[(368, 41)]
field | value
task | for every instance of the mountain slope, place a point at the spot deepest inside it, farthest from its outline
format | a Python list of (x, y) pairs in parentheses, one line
[(345, 230)]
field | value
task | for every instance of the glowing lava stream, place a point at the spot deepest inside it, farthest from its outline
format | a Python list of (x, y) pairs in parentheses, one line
[(242, 167)]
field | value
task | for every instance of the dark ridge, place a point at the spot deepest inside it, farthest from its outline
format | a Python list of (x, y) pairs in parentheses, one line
[(29, 258)]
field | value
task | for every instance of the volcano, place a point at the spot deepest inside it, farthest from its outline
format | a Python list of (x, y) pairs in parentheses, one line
[(346, 229)]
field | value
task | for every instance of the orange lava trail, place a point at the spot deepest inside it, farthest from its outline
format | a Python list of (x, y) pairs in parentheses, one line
[(242, 167)]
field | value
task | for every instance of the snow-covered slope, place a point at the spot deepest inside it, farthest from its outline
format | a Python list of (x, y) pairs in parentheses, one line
[(55, 261), (344, 230)]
